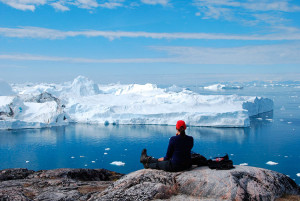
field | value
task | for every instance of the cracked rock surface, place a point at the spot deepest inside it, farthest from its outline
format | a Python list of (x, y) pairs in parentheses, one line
[(241, 183)]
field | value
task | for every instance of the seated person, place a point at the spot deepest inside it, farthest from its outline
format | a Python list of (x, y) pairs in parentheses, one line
[(178, 157)]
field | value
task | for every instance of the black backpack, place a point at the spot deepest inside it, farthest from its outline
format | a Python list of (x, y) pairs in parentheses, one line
[(198, 159), (220, 163)]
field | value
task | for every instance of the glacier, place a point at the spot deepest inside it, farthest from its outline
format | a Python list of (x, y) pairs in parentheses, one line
[(83, 101)]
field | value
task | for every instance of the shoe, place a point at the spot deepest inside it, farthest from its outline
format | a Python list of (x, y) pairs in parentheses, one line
[(144, 157)]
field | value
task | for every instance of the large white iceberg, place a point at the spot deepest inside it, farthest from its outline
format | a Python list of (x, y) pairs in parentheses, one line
[(83, 101)]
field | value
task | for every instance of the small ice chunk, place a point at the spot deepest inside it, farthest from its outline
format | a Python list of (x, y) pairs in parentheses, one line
[(298, 174), (105, 153), (269, 120), (244, 164), (125, 149), (271, 163), (85, 165), (259, 119), (117, 163), (285, 156), (281, 120), (231, 154), (27, 161), (72, 157), (289, 122), (81, 156), (107, 149), (93, 161)]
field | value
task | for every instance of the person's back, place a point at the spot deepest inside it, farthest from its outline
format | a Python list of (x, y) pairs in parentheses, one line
[(178, 155), (181, 147)]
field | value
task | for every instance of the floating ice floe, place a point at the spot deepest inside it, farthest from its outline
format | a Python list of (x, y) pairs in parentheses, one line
[(105, 153), (214, 87), (244, 164), (289, 122), (26, 161), (93, 161), (81, 156), (281, 119), (72, 157), (298, 174), (107, 149), (271, 163), (82, 101), (117, 163), (260, 119), (269, 120)]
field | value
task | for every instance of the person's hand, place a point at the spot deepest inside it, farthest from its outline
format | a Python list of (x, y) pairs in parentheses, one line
[(161, 159)]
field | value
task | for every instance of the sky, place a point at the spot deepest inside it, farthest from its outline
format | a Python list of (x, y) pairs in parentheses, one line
[(158, 41)]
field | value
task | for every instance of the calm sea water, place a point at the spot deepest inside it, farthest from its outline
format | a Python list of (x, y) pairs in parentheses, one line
[(273, 136)]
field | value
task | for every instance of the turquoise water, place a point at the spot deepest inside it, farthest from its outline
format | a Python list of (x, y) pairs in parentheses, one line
[(273, 136)]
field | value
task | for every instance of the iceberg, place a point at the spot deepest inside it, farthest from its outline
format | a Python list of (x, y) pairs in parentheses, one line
[(83, 101), (220, 87)]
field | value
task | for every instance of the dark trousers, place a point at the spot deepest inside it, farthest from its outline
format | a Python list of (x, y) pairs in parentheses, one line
[(153, 163)]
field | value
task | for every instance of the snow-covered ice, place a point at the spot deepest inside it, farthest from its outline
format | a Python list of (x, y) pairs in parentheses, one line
[(214, 87), (117, 163), (82, 101), (271, 163), (218, 87)]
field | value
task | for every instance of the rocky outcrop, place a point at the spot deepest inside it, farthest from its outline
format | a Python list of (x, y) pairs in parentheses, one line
[(54, 185), (241, 183)]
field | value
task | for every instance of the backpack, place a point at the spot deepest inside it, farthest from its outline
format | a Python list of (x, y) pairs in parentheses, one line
[(198, 159), (220, 163)]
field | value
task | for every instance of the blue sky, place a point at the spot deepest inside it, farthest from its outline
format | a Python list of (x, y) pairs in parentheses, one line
[(148, 40)]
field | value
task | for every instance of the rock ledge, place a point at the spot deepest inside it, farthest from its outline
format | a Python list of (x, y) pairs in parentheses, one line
[(241, 183)]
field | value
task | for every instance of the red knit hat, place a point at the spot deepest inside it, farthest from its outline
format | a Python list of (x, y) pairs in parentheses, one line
[(179, 124)]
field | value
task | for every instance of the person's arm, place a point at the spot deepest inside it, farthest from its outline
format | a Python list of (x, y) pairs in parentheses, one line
[(169, 151)]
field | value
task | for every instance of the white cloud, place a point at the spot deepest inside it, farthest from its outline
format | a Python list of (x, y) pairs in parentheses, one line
[(59, 6), (29, 57), (24, 4), (111, 5), (62, 5), (246, 55), (38, 32), (256, 55), (266, 11), (86, 4), (155, 2)]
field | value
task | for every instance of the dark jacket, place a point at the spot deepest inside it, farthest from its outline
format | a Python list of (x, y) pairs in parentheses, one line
[(179, 150)]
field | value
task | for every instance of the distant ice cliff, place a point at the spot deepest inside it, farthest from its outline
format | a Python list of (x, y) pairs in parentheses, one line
[(83, 101)]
